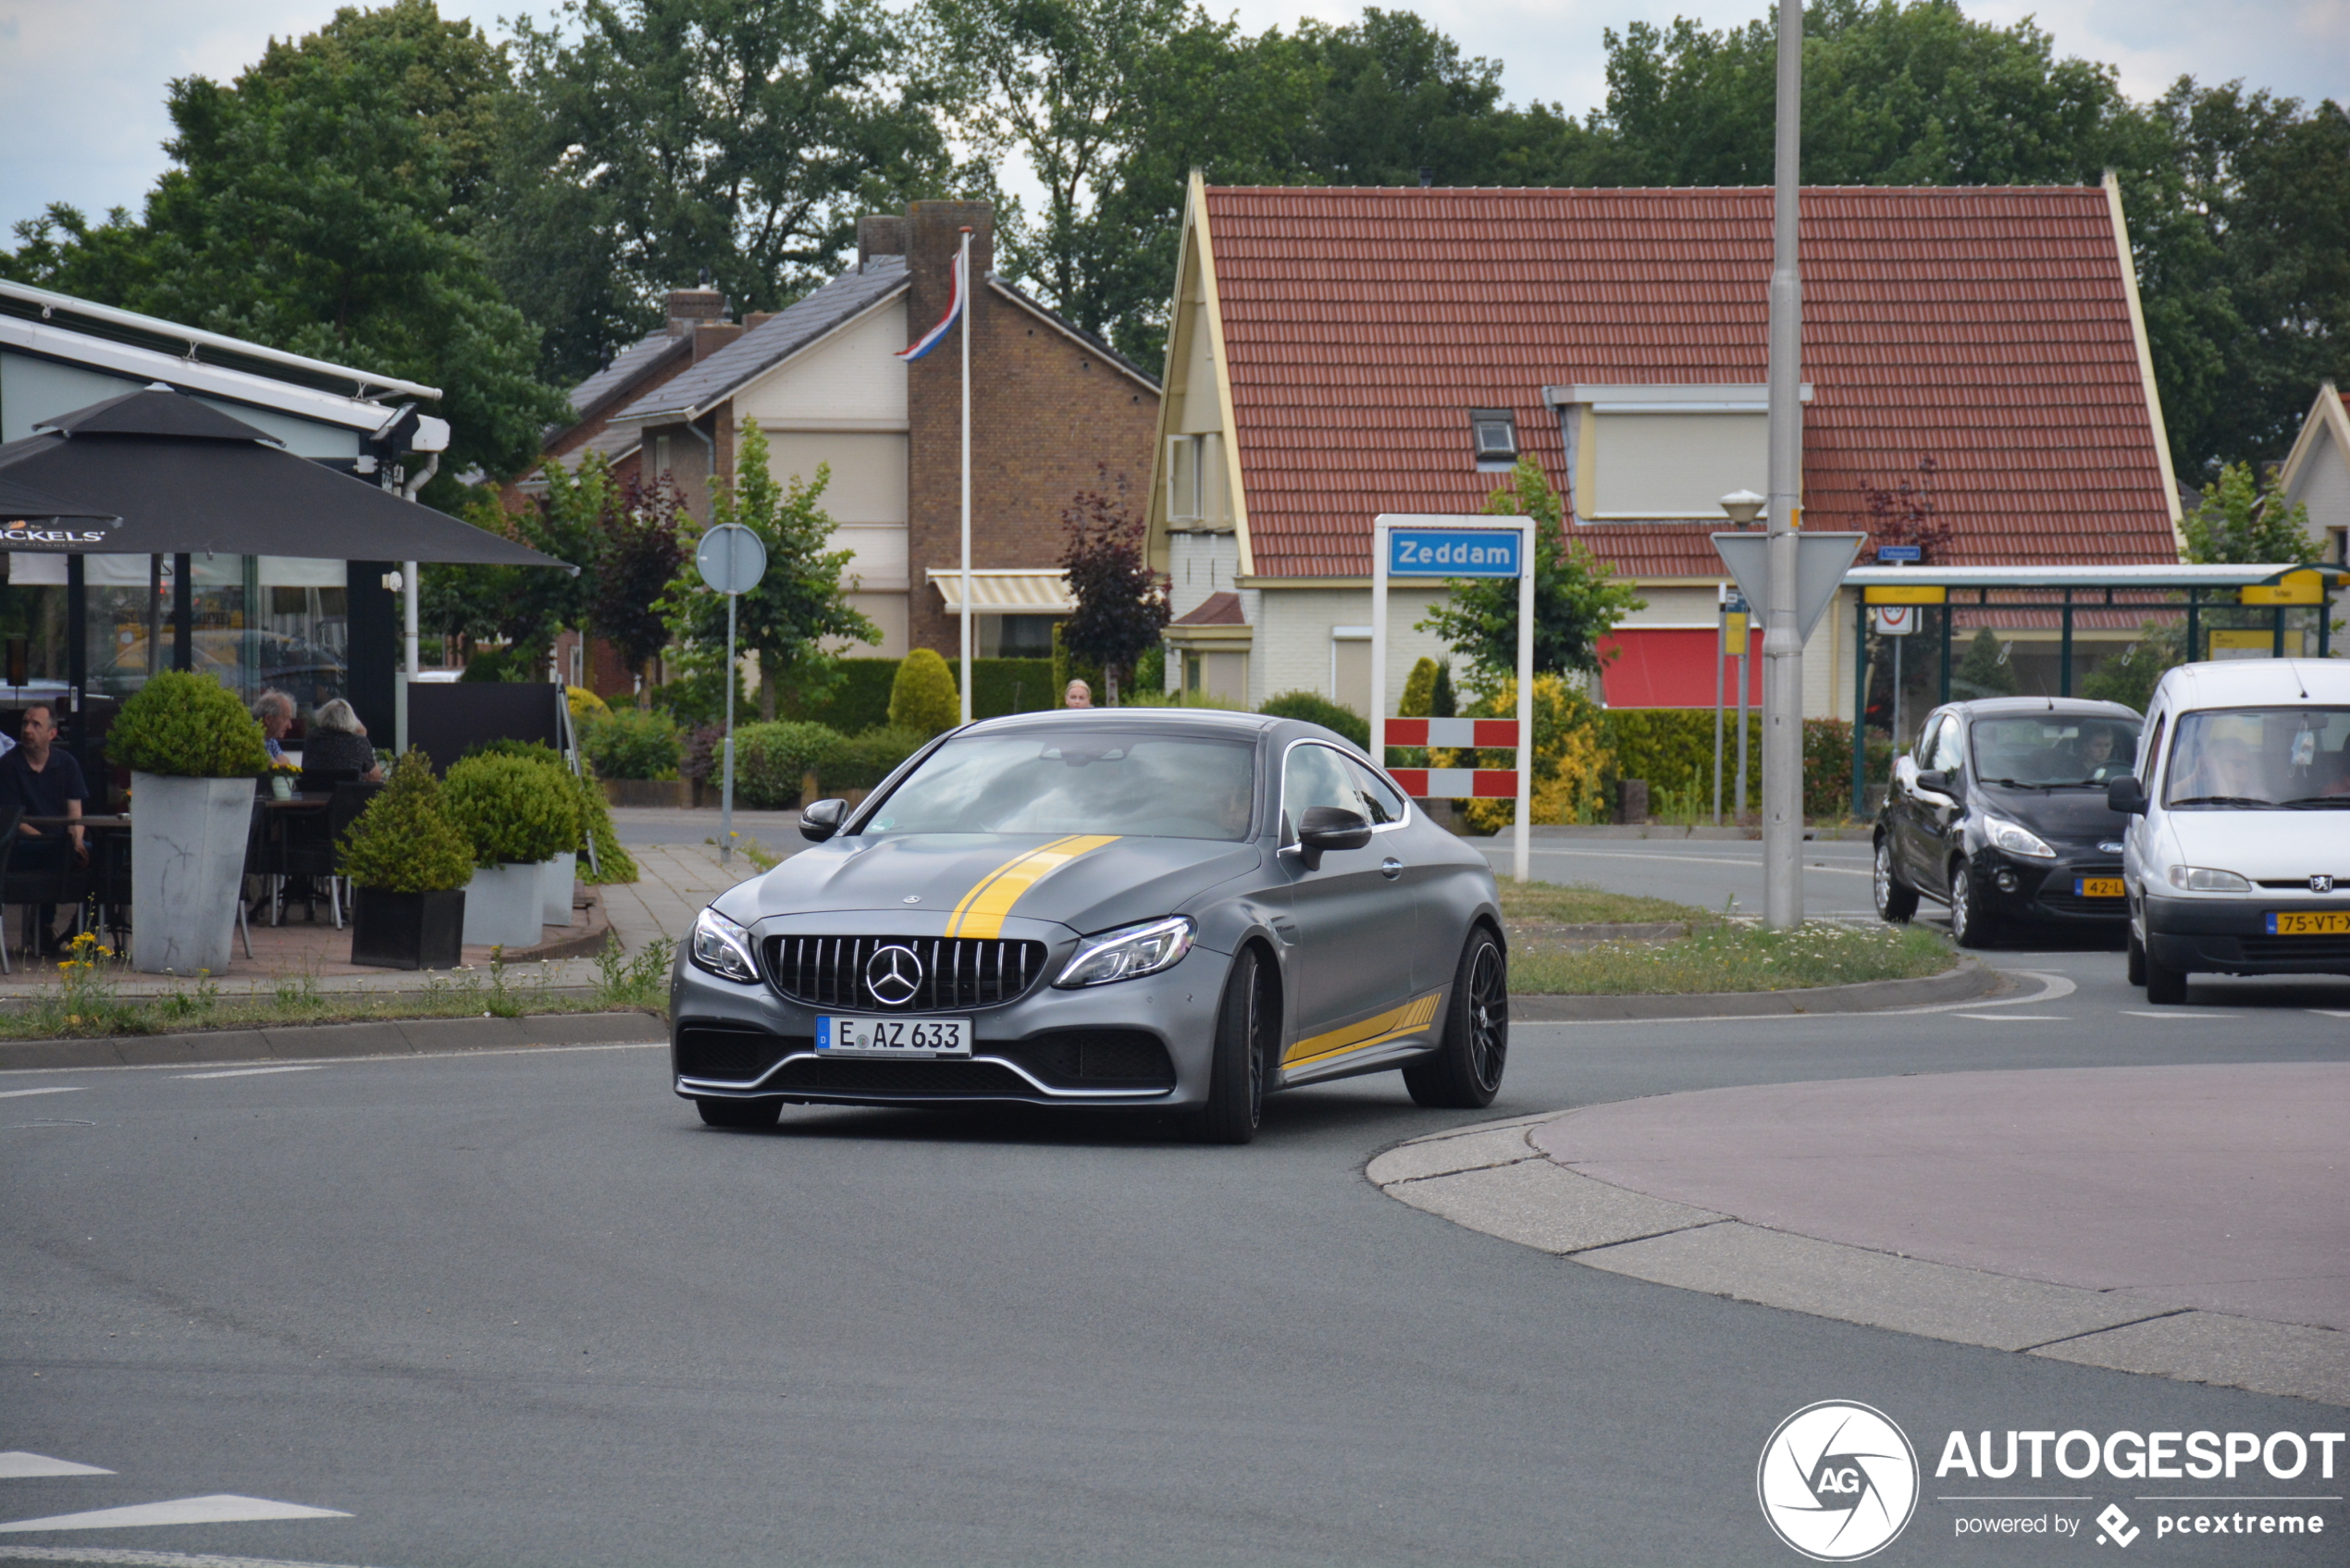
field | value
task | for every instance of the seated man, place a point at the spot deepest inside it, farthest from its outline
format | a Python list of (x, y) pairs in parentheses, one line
[(275, 712), (43, 781)]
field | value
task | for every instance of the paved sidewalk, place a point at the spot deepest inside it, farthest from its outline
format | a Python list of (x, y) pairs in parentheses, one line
[(2179, 1221), (673, 882)]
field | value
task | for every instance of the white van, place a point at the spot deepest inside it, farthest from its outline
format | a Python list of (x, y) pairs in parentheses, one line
[(2236, 859)]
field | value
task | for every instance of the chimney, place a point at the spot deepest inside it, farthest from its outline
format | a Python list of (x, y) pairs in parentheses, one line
[(689, 306), (757, 318), (711, 336), (934, 230), (881, 234)]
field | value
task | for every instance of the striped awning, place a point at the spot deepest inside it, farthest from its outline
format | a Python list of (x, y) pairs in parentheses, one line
[(997, 590)]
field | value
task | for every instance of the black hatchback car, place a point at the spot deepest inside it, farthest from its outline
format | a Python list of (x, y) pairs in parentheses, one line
[(2000, 814)]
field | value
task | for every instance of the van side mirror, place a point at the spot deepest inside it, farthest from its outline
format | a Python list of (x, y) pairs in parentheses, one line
[(2127, 795), (1330, 827), (822, 819)]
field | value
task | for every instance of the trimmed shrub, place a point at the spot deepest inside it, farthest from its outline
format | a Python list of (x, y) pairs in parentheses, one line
[(924, 699), (1419, 691), (1673, 749), (632, 744), (404, 841), (1318, 709), (865, 759), (856, 694), (185, 724), (586, 705), (771, 760), (1569, 756), (612, 863), (515, 810)]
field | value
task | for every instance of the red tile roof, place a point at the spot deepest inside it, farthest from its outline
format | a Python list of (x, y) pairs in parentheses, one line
[(1216, 610), (1988, 327)]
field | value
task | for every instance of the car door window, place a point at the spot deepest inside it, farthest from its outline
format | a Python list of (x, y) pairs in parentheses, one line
[(1381, 801), (1314, 776)]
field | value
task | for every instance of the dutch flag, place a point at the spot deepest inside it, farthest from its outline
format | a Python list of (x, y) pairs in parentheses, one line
[(931, 339)]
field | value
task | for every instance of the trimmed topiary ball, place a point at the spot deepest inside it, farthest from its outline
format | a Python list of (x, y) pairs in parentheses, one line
[(515, 810), (925, 699), (186, 726), (404, 841)]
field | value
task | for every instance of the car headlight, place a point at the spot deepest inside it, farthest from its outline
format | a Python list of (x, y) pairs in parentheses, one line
[(723, 947), (2016, 839), (2203, 879), (1126, 952)]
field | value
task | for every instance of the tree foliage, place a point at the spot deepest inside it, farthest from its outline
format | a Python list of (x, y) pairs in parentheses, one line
[(404, 841), (923, 700), (1122, 609), (2243, 522), (1576, 598)]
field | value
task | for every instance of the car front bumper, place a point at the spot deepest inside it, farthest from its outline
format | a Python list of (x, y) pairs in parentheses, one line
[(1092, 1046), (2230, 935), (2043, 891)]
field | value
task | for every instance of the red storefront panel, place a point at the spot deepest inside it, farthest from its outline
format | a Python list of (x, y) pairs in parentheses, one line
[(1673, 667)]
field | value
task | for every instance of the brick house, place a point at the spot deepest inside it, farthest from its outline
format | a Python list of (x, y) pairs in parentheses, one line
[(1054, 410), (1337, 353)]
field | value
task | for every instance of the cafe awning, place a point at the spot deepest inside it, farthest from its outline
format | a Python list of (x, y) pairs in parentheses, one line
[(187, 479), (25, 512), (997, 590)]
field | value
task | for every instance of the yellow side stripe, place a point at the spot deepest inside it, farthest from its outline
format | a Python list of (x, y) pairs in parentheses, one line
[(982, 912), (1379, 1028)]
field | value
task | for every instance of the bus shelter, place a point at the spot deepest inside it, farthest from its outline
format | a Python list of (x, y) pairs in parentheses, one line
[(2048, 630)]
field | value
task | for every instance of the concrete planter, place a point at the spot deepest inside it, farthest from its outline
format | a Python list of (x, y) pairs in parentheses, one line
[(187, 869), (555, 893), (407, 930), (504, 906)]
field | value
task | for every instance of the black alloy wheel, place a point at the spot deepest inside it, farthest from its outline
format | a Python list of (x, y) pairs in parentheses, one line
[(1236, 1081), (1968, 927), (751, 1114), (1896, 900), (1464, 1072)]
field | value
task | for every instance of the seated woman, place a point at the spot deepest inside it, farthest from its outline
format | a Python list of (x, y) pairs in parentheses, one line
[(338, 742)]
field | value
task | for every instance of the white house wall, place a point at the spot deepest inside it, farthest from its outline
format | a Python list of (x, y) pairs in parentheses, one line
[(1291, 649), (1198, 566), (2323, 485), (850, 380)]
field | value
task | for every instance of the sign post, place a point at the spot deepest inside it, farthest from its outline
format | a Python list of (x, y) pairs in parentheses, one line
[(1409, 546), (731, 559)]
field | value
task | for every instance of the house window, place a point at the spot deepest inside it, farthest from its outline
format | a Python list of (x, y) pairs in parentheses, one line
[(1643, 453), (661, 455), (1191, 479), (1494, 431)]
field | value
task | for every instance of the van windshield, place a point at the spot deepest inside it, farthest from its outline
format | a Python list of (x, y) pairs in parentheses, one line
[(2260, 758), (1090, 780), (2054, 751)]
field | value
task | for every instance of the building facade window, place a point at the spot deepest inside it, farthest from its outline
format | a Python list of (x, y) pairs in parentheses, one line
[(1193, 493), (1494, 434)]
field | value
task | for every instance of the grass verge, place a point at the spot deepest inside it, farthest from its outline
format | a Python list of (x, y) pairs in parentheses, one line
[(1578, 905), (86, 1004), (1723, 957)]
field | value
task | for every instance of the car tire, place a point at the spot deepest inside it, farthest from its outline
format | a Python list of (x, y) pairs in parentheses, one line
[(1968, 927), (2166, 987), (1896, 900), (1236, 1080), (1464, 1072), (2137, 960), (739, 1113)]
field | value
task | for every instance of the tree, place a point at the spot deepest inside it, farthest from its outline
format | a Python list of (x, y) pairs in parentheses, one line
[(798, 607), (1576, 599), (2241, 522), (1121, 607), (642, 553), (661, 137), (320, 203), (1985, 672), (923, 699), (1906, 513)]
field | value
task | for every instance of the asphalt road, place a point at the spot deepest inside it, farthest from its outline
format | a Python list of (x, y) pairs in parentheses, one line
[(523, 1309), (1710, 874)]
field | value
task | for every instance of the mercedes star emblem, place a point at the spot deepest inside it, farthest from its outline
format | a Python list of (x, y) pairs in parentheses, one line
[(894, 975)]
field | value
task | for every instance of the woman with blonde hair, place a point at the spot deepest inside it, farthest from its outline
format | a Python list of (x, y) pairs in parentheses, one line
[(338, 743)]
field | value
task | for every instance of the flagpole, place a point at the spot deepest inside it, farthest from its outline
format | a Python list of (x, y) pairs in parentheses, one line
[(963, 281)]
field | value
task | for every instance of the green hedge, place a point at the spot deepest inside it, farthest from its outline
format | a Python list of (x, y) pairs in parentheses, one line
[(1673, 749), (773, 761), (858, 700)]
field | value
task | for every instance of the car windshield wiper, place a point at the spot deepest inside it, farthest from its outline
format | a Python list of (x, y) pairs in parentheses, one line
[(2319, 802), (2223, 800), (2021, 783)]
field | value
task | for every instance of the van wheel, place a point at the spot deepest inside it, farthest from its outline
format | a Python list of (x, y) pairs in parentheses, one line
[(2166, 987), (2137, 960), (1896, 900)]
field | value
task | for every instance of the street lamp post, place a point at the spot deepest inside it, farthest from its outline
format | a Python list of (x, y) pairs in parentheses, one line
[(1782, 643)]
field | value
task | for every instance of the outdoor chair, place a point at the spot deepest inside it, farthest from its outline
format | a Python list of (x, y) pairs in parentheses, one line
[(349, 800), (106, 902), (38, 886), (303, 846)]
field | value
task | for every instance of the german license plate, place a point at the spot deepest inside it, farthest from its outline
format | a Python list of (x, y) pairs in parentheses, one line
[(2096, 887), (2313, 922), (893, 1037)]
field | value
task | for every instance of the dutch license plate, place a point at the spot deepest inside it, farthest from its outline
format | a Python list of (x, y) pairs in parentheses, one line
[(2314, 923), (2096, 887), (894, 1037)]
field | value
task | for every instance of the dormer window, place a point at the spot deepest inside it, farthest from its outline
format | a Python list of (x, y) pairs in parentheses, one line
[(1495, 433)]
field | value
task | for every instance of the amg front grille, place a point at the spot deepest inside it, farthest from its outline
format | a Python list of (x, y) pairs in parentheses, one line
[(924, 974)]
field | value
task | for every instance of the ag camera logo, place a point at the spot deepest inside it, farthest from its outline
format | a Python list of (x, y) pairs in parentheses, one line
[(1837, 1481)]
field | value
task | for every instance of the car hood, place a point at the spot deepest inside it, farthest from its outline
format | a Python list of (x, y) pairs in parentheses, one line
[(2070, 816), (2264, 845), (971, 882)]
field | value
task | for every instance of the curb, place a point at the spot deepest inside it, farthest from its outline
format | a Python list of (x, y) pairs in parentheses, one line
[(1969, 980), (1492, 1178), (389, 1037), (1666, 831)]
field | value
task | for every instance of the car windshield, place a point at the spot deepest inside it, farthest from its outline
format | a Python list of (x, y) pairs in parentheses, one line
[(2053, 750), (2261, 759), (1089, 781)]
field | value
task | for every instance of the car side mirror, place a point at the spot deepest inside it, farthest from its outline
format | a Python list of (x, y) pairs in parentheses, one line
[(2127, 795), (1327, 827), (1934, 781), (822, 819)]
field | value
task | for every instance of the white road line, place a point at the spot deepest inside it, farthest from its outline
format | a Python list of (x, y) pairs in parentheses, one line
[(2014, 1017), (2053, 988), (2329, 1013), (21, 1094), (2182, 1018), (116, 1555), (16, 1465), (247, 1073), (219, 1508)]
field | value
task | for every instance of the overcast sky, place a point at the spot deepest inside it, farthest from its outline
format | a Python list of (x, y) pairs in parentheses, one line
[(82, 81)]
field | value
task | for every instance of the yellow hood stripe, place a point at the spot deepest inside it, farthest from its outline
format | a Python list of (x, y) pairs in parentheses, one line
[(1410, 1018), (982, 912)]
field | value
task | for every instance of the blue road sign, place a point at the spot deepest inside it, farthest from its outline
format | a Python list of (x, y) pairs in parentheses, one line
[(1451, 553), (1899, 555)]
